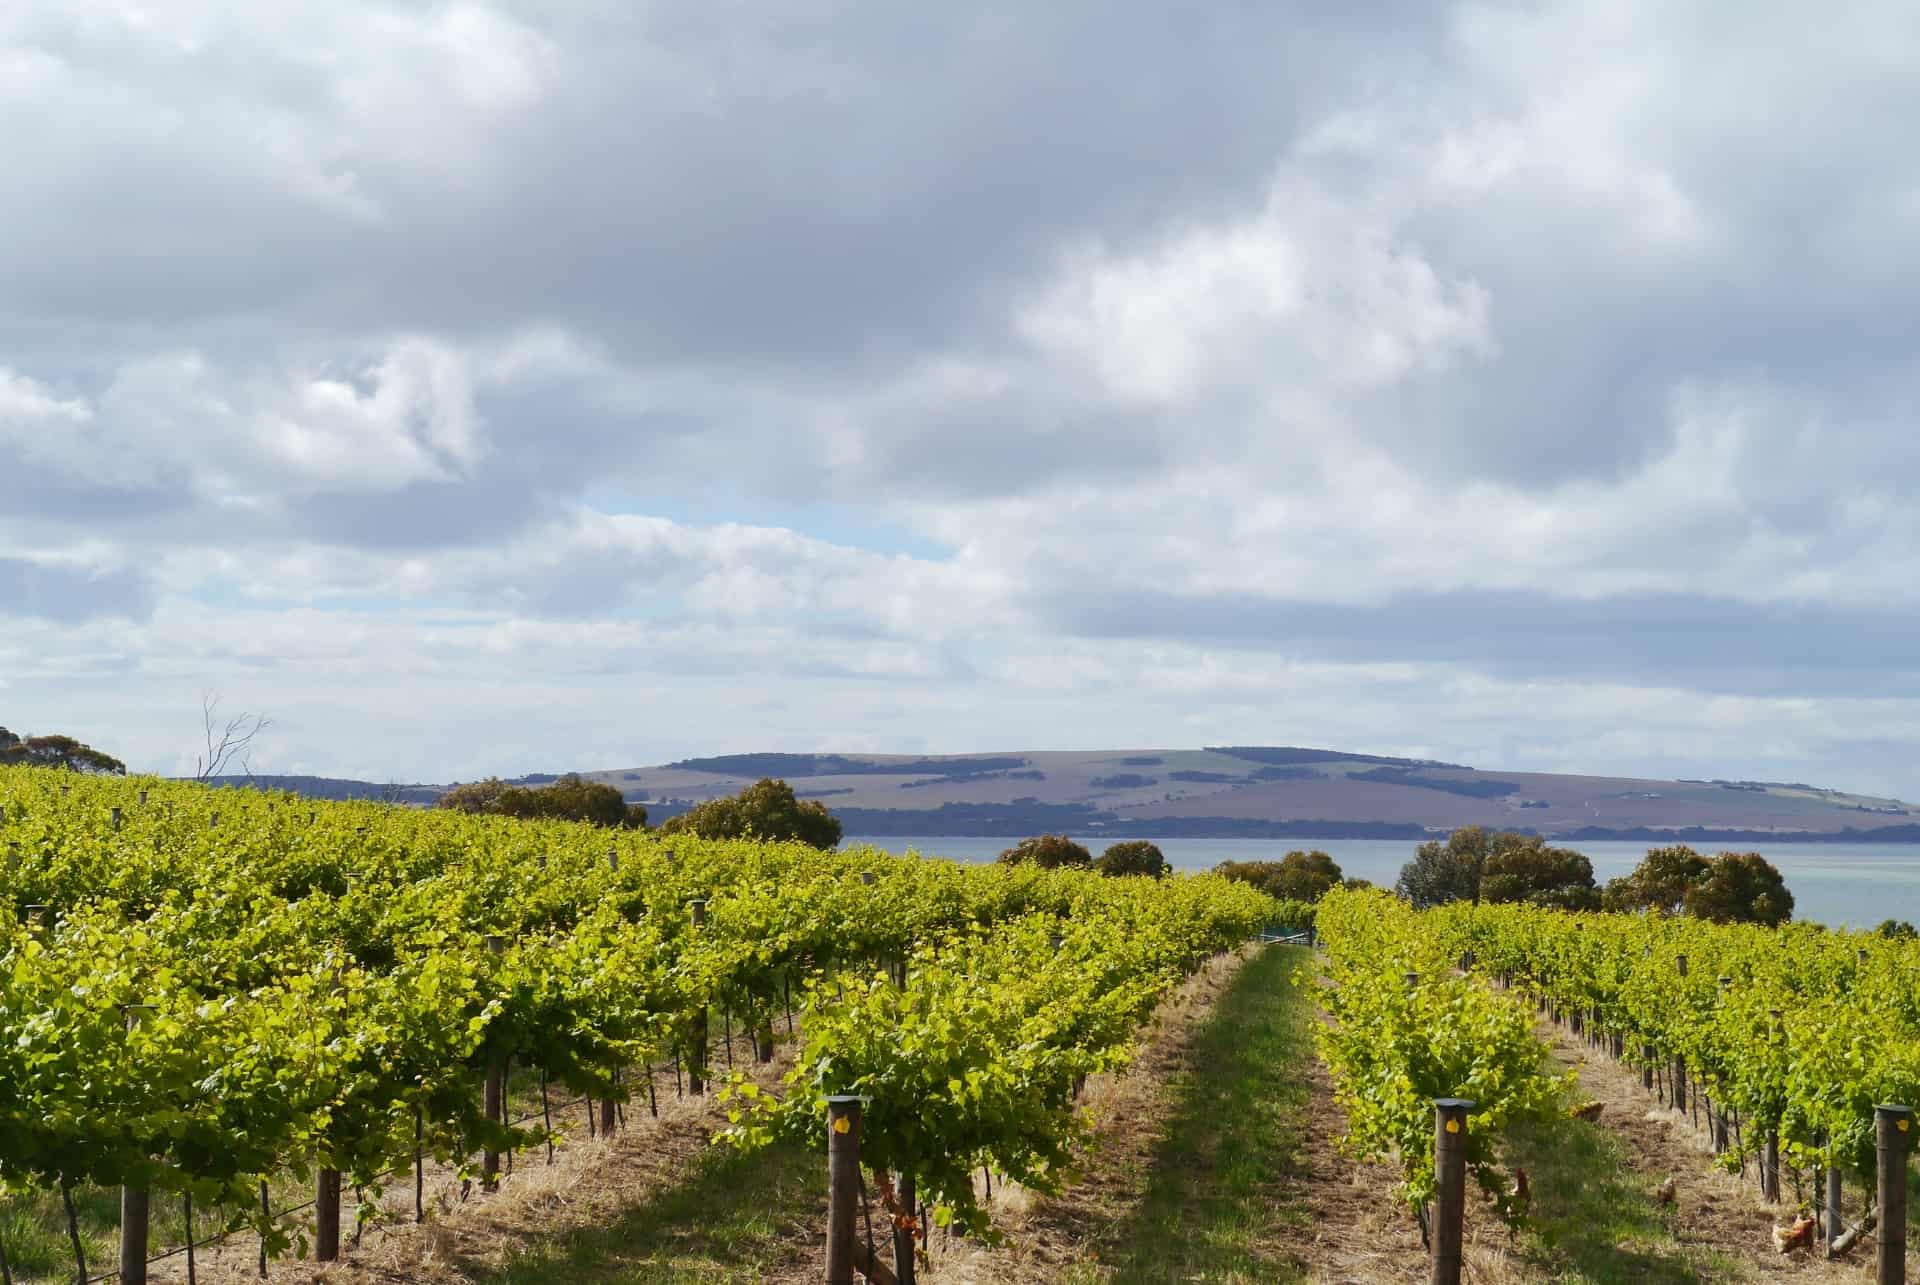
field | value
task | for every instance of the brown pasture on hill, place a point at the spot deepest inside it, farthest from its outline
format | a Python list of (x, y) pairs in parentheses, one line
[(1146, 783)]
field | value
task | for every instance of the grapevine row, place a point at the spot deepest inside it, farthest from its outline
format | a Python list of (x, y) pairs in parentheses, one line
[(317, 991), (1798, 1032), (1407, 1030)]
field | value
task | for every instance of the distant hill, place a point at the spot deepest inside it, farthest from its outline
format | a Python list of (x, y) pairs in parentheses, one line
[(1273, 791), (1230, 791), (335, 788)]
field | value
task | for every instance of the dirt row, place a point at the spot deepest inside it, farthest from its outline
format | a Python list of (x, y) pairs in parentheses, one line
[(1354, 1230), (469, 1233), (1714, 1211)]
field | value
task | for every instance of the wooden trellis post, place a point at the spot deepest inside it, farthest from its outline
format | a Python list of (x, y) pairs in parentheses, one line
[(1450, 1186), (843, 1185), (494, 1103), (1893, 1130), (134, 1201)]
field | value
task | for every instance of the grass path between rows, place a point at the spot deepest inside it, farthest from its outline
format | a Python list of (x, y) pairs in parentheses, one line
[(733, 1218), (1212, 1199), (1236, 1180), (1221, 1200)]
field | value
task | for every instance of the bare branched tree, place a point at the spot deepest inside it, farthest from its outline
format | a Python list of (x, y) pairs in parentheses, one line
[(226, 741)]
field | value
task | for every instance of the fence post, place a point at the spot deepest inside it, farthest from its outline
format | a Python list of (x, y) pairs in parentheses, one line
[(1833, 1200), (133, 1200), (1450, 1186), (697, 1050), (843, 1185), (326, 1217), (1770, 1160), (904, 1269), (1680, 1063), (494, 1093), (1892, 1125)]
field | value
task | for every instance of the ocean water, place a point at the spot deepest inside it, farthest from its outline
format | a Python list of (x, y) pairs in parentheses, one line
[(1840, 884)]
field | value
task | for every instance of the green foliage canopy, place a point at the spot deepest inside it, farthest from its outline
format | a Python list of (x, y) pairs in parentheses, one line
[(1734, 887), (568, 799), (56, 751), (1741, 888), (1048, 851), (1298, 876), (1450, 871), (1660, 882), (1521, 867), (768, 811), (1133, 857)]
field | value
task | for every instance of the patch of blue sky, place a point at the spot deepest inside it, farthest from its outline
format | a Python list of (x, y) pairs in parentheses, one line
[(868, 529)]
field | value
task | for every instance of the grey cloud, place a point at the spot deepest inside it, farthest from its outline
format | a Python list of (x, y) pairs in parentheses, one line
[(1769, 650), (766, 184), (67, 595), (796, 249)]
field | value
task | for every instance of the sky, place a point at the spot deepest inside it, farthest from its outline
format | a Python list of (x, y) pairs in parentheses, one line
[(497, 387)]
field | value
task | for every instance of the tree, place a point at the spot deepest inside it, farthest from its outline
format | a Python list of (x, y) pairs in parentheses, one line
[(766, 810), (1896, 930), (1741, 888), (1306, 876), (1132, 857), (58, 752), (1523, 868), (1048, 851), (226, 741), (1734, 887), (1660, 882), (1298, 876), (570, 798), (1264, 875), (1443, 872), (475, 796)]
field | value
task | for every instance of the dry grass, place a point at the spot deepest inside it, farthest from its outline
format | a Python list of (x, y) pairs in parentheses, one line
[(590, 1182), (1216, 1157), (1716, 1215), (1051, 1239)]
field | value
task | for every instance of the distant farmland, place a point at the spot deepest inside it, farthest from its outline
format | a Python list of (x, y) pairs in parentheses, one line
[(1264, 790)]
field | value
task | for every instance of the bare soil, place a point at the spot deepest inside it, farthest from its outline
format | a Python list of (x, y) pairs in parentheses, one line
[(1051, 1237), (469, 1233), (1715, 1212), (1355, 1231)]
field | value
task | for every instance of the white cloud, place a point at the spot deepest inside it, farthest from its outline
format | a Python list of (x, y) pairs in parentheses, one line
[(334, 342), (1303, 288)]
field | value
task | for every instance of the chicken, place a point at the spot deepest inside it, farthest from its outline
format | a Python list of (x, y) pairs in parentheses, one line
[(1799, 1235), (1591, 1111), (1666, 1192), (1522, 1194)]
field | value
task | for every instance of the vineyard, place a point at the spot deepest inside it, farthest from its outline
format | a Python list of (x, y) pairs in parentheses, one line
[(259, 1017), (207, 993), (1794, 1048)]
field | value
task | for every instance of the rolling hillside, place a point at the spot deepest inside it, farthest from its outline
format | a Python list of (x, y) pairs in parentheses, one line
[(1261, 790)]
